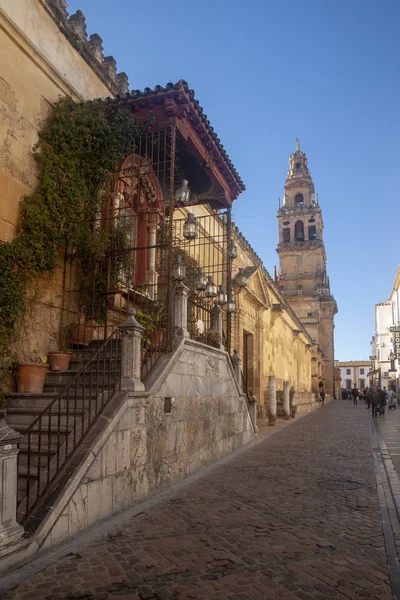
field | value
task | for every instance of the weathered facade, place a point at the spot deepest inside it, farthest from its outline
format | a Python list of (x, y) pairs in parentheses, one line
[(140, 406), (302, 276)]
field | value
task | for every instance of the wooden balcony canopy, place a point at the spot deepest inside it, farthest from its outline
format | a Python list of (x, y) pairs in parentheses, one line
[(202, 158)]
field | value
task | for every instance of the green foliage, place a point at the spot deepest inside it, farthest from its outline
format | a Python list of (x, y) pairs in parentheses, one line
[(79, 146)]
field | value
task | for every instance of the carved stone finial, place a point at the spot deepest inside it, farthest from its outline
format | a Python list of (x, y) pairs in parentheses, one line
[(236, 358), (58, 8), (123, 83), (131, 324), (77, 23), (95, 46), (110, 65), (297, 145)]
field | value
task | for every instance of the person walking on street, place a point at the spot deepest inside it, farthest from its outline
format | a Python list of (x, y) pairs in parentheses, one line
[(354, 393), (382, 399), (322, 395), (374, 399), (367, 392)]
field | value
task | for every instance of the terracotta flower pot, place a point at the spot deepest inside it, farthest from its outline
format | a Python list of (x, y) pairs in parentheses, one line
[(157, 337), (82, 333), (31, 377), (59, 361)]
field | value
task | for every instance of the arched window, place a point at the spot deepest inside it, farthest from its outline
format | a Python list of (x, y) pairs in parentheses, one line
[(299, 231), (286, 234), (299, 199), (312, 232)]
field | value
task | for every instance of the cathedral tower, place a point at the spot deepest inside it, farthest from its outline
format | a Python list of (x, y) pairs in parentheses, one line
[(302, 276)]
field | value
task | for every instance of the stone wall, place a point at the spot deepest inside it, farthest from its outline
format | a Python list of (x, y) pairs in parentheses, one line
[(43, 54), (193, 415)]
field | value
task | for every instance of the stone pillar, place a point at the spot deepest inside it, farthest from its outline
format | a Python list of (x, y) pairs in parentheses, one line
[(132, 332), (272, 401), (151, 273), (179, 310), (286, 400), (236, 361), (10, 530), (216, 323)]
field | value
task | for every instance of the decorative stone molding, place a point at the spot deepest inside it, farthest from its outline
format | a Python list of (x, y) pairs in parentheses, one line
[(77, 23), (110, 65), (95, 46), (74, 29), (58, 8)]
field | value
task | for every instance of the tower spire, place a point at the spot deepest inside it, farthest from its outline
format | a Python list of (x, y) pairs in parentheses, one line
[(297, 145)]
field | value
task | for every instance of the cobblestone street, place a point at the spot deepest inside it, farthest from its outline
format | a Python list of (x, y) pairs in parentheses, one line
[(295, 517)]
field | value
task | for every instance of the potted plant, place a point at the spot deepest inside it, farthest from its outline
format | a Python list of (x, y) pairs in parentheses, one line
[(82, 333), (146, 320), (212, 338), (59, 360), (31, 375)]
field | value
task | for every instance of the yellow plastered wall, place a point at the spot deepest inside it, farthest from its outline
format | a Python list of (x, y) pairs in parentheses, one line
[(37, 65)]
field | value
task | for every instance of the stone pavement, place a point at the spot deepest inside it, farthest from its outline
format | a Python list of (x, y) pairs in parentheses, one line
[(389, 427), (296, 516)]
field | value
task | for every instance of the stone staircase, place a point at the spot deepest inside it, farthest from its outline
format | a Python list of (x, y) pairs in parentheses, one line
[(72, 412)]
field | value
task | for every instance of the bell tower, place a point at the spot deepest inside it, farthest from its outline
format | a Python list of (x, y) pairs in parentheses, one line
[(302, 276)]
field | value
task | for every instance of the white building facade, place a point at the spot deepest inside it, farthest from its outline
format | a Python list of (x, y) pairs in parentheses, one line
[(353, 373), (385, 345)]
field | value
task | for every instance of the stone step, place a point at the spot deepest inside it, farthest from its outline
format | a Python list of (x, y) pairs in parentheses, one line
[(21, 418), (76, 364)]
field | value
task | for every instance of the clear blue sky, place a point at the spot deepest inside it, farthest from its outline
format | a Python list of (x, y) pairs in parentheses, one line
[(266, 72)]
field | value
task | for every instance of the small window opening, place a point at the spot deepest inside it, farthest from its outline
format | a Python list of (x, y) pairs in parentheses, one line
[(312, 232), (167, 406), (299, 231), (299, 199)]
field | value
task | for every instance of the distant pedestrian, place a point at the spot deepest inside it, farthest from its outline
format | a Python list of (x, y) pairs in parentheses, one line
[(374, 399), (354, 393), (322, 395), (367, 392)]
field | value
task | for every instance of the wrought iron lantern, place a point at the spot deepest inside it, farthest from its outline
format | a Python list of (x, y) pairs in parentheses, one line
[(230, 305), (211, 289), (190, 227), (233, 251), (222, 298), (178, 269), (241, 280), (201, 282)]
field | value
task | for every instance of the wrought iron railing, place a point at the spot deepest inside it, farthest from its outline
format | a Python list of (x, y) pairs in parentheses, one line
[(54, 436)]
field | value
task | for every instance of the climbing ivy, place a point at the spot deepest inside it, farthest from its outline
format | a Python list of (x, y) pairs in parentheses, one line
[(78, 147)]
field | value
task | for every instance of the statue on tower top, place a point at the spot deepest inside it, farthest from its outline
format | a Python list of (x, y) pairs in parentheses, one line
[(297, 145)]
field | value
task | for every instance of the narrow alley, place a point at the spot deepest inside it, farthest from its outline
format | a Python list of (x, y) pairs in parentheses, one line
[(296, 516)]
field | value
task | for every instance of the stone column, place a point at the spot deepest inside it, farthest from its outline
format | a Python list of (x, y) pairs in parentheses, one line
[(216, 323), (236, 361), (286, 400), (272, 401), (151, 273), (132, 332), (179, 310), (10, 530)]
